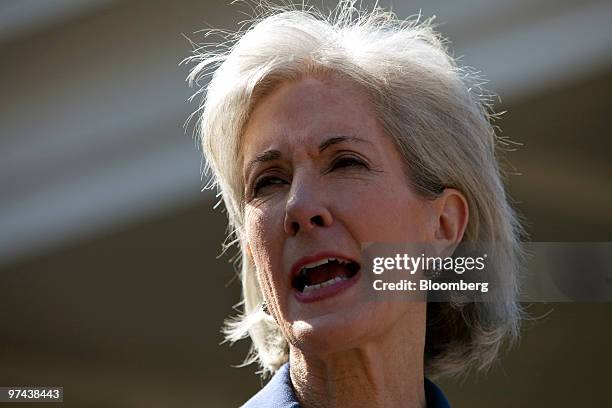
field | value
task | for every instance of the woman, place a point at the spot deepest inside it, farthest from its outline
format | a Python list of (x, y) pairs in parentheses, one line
[(325, 133)]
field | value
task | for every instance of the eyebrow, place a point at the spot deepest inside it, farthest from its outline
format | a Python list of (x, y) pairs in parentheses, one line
[(270, 155), (266, 156)]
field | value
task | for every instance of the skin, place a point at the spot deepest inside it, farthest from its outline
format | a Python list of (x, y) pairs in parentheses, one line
[(347, 350)]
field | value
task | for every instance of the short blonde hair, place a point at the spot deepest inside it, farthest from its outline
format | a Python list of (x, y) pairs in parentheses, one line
[(437, 114)]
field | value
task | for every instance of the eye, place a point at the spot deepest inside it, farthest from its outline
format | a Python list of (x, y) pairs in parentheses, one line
[(266, 182), (348, 161)]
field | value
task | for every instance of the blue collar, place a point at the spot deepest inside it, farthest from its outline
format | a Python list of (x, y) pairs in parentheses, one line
[(278, 393)]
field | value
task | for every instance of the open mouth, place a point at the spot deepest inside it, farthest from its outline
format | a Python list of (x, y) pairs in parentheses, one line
[(323, 273)]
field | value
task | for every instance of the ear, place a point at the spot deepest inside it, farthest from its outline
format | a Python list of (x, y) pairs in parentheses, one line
[(452, 215), (248, 251)]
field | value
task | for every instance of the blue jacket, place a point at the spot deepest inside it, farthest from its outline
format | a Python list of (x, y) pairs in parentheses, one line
[(278, 393)]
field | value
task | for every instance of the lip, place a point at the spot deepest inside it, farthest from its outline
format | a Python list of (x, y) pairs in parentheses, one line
[(325, 292)]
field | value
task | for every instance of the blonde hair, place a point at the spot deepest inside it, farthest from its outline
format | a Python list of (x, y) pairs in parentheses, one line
[(438, 115)]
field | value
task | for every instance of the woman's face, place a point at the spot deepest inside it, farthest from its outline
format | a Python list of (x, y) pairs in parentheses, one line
[(322, 178)]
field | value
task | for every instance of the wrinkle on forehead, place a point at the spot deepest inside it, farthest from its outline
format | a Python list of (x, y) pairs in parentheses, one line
[(302, 102)]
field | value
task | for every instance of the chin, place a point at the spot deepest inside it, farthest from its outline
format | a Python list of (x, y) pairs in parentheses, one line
[(349, 327)]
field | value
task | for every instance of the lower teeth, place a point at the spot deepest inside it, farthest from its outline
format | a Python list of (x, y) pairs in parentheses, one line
[(310, 288)]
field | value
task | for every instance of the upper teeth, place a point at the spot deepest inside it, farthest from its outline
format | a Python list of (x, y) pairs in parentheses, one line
[(323, 262)]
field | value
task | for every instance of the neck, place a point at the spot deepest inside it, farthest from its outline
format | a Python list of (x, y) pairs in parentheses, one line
[(384, 372)]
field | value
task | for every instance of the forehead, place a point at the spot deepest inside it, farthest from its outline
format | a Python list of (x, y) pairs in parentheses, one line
[(307, 111)]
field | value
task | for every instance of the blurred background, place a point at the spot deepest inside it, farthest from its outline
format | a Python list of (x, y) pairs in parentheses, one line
[(110, 285)]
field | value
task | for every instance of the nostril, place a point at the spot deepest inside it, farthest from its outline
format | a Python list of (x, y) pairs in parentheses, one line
[(293, 227), (317, 220)]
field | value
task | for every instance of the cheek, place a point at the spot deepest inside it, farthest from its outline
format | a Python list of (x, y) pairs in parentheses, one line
[(388, 212), (258, 239), (263, 240)]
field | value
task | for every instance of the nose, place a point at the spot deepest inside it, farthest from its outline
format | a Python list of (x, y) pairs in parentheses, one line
[(305, 210)]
